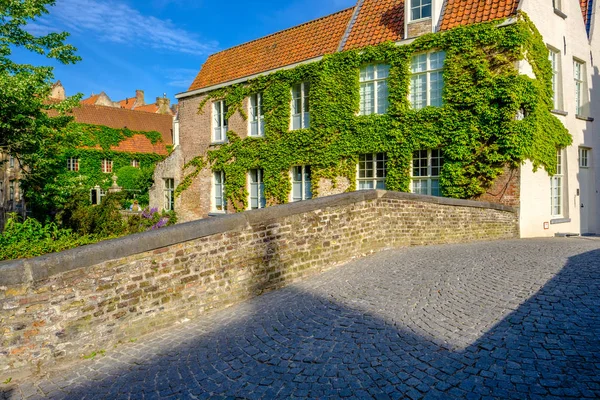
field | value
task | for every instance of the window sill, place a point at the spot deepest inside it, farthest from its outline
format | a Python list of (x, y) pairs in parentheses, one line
[(419, 20), (560, 13), (584, 118), (218, 143), (217, 213), (560, 221), (559, 112), (256, 136)]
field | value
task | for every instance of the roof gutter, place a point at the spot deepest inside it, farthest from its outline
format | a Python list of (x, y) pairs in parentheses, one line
[(195, 92)]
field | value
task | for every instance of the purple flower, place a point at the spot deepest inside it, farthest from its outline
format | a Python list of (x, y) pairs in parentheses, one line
[(160, 224)]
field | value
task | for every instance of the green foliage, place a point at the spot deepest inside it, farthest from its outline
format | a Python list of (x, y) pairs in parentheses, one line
[(105, 137), (476, 126)]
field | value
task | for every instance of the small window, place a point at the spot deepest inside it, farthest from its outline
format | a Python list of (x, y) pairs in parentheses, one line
[(580, 88), (420, 9), (556, 187), (426, 169), (11, 191), (301, 183), (554, 56), (374, 89), (135, 163), (300, 106), (371, 171), (427, 79), (584, 160), (107, 166), (96, 195), (219, 121), (73, 164), (169, 204), (257, 189), (257, 120), (219, 199), (11, 162)]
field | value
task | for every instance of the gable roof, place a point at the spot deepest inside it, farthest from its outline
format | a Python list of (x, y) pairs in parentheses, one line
[(369, 23), (586, 9), (303, 42), (119, 118), (90, 100), (465, 12), (128, 103)]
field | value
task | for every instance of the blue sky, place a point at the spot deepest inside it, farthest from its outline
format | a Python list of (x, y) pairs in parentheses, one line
[(159, 45)]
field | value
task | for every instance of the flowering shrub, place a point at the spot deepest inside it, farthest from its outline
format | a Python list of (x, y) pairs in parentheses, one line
[(151, 219)]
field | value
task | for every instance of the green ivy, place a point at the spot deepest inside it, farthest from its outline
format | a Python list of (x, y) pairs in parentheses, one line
[(105, 137), (475, 127)]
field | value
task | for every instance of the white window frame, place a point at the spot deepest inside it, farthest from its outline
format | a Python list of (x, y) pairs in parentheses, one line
[(135, 163), (381, 73), (557, 187), (429, 72), (221, 126), (304, 115), (256, 120), (11, 191), (584, 157), (11, 162), (375, 165), (430, 177), (73, 164), (107, 166), (305, 183), (218, 192), (555, 62), (419, 5), (580, 86), (260, 185), (169, 194)]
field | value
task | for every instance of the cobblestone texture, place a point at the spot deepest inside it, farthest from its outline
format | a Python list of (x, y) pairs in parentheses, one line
[(512, 319)]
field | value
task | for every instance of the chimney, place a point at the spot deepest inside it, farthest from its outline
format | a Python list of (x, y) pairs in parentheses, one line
[(139, 98), (164, 105)]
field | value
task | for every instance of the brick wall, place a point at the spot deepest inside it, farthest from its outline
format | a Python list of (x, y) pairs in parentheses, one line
[(65, 305), (419, 28), (506, 188)]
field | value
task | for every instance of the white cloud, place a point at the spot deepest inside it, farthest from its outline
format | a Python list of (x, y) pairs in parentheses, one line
[(116, 22)]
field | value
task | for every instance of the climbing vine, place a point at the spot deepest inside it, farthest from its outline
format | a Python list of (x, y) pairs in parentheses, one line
[(476, 127)]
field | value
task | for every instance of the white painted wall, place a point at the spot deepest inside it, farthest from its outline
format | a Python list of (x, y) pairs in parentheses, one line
[(569, 36)]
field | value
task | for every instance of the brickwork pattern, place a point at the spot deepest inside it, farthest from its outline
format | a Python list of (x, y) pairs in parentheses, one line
[(419, 28), (489, 320), (75, 312)]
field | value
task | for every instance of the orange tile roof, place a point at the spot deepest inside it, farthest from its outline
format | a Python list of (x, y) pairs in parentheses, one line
[(300, 43), (135, 121), (127, 103), (586, 10), (377, 21), (464, 12), (90, 100), (153, 108)]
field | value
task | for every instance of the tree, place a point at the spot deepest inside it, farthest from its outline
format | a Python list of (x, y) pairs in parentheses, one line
[(30, 124)]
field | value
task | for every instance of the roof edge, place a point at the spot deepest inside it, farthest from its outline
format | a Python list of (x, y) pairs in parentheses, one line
[(350, 26)]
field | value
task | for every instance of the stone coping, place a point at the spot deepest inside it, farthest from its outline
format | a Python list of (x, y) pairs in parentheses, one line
[(22, 271)]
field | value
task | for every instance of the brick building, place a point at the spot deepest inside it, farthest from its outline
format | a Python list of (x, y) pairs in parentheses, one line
[(565, 202)]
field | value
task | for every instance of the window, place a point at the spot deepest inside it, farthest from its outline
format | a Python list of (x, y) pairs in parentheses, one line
[(374, 89), (300, 106), (96, 195), (426, 168), (556, 187), (257, 120), (219, 121), (169, 194), (371, 171), (219, 200), (135, 163), (257, 189), (11, 162), (580, 91), (427, 80), (107, 166), (420, 9), (301, 185), (555, 61), (11, 191), (72, 164), (584, 159)]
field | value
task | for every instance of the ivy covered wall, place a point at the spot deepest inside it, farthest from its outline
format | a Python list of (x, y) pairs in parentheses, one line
[(476, 127)]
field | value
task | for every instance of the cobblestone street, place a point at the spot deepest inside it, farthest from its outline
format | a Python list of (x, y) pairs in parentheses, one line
[(514, 319)]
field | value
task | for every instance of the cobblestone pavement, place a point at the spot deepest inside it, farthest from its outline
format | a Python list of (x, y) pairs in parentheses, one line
[(517, 319)]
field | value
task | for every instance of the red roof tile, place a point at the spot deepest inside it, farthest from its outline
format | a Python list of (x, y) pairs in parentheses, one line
[(90, 100), (127, 104), (135, 121), (301, 43), (464, 12), (377, 21), (152, 108), (586, 10)]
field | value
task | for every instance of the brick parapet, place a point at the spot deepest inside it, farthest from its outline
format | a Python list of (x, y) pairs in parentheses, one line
[(63, 305)]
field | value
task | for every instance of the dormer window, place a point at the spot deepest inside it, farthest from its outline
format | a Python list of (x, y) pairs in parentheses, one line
[(420, 9)]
